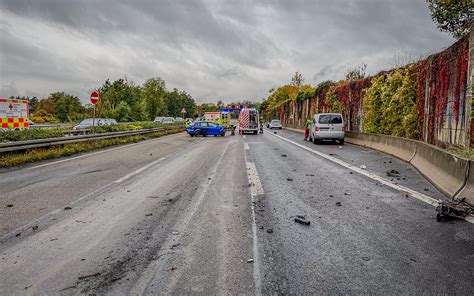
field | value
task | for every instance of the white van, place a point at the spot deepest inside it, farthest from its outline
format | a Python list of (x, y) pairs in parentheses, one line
[(327, 126)]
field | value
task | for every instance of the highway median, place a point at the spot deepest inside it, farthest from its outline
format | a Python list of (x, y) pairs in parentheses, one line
[(17, 153)]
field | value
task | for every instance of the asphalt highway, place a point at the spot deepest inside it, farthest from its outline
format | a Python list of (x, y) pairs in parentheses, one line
[(216, 216)]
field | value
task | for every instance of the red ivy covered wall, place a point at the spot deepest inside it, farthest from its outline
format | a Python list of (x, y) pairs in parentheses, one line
[(441, 90)]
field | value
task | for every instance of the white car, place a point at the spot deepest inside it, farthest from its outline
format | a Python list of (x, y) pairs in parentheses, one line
[(168, 120), (275, 123), (158, 119), (327, 126)]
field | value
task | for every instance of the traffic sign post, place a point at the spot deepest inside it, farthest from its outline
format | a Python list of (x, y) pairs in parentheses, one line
[(183, 111), (94, 101)]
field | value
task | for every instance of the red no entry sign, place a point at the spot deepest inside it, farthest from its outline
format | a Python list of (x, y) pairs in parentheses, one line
[(94, 97)]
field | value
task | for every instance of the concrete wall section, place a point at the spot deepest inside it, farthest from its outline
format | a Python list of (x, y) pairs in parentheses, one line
[(446, 171)]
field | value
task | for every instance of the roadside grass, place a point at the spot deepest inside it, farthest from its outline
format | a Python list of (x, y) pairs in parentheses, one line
[(466, 152), (14, 159), (44, 133)]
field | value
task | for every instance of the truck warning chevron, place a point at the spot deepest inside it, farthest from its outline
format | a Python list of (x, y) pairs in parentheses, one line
[(13, 114)]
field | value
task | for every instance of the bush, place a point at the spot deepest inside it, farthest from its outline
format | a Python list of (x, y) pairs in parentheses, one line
[(390, 105), (31, 134)]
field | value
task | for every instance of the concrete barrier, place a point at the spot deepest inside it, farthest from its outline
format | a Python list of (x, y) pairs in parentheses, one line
[(446, 171), (398, 147), (468, 191)]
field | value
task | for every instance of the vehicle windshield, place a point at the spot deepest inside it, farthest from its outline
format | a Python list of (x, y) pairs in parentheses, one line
[(276, 121), (330, 119), (87, 121)]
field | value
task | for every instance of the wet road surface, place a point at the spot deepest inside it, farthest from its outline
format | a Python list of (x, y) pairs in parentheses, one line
[(180, 215)]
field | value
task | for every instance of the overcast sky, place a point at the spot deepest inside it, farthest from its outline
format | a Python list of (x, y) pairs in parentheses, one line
[(216, 49)]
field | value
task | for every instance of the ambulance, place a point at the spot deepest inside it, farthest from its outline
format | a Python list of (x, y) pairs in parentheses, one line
[(14, 114)]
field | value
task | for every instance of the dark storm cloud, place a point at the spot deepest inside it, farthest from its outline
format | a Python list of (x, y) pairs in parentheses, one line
[(212, 49)]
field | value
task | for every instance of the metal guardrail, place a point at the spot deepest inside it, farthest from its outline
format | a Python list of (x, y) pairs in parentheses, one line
[(42, 143)]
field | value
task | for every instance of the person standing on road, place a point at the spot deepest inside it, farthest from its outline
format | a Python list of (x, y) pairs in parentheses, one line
[(306, 128)]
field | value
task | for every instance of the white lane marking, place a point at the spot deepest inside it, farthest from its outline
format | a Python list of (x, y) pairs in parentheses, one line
[(420, 196), (243, 136), (139, 170), (97, 152), (256, 189), (246, 146)]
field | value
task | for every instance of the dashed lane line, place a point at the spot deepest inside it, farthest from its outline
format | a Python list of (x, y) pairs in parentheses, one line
[(256, 189)]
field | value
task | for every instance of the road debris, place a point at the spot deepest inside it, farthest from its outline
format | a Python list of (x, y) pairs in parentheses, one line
[(456, 209), (283, 155), (302, 220), (289, 179), (393, 173), (270, 230), (35, 227), (363, 167), (338, 204), (174, 232), (366, 258), (149, 214), (333, 154), (67, 208), (9, 206), (83, 277), (250, 260), (310, 175)]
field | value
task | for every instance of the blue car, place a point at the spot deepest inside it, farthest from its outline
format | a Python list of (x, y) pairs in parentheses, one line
[(205, 128)]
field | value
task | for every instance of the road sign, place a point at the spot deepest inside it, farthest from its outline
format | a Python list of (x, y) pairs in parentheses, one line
[(183, 111), (94, 97)]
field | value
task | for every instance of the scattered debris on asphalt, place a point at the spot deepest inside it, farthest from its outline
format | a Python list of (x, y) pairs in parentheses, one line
[(366, 258), (350, 173), (270, 230), (347, 193), (53, 239), (289, 179), (249, 260), (338, 204), (426, 189), (302, 220), (275, 133), (10, 206), (83, 277), (393, 173), (174, 232), (35, 227), (456, 209), (18, 234), (333, 154), (149, 214), (283, 155), (310, 175), (276, 149), (340, 147), (363, 167), (67, 208)]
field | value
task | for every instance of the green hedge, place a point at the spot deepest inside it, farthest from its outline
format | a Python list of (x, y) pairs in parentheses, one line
[(44, 133)]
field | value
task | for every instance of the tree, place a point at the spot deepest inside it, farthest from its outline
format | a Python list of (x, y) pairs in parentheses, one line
[(452, 16), (153, 92), (297, 80), (356, 73)]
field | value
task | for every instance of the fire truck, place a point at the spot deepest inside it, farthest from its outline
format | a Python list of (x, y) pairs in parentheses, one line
[(249, 121)]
